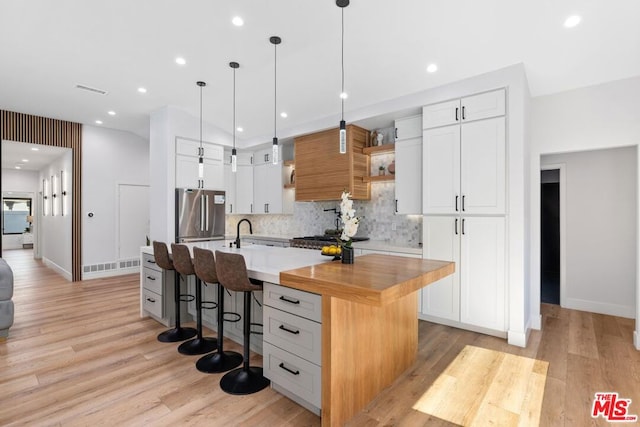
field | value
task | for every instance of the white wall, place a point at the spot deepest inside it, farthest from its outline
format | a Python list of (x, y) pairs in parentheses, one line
[(55, 236), (603, 116), (109, 157), (601, 225), (19, 181)]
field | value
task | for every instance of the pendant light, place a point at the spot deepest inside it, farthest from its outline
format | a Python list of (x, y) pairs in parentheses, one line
[(343, 128), (201, 150), (234, 154), (275, 40)]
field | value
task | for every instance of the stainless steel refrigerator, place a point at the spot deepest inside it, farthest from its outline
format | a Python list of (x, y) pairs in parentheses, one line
[(200, 215)]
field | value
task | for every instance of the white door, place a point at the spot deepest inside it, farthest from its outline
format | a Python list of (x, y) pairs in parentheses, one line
[(409, 176), (133, 219), (441, 170), (441, 240), (482, 276), (483, 167)]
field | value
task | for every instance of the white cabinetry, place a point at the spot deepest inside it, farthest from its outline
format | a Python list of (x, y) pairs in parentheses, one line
[(292, 344), (408, 158), (239, 184), (268, 189), (475, 294), (408, 127), (464, 168), (230, 190), (475, 107), (156, 290), (187, 155)]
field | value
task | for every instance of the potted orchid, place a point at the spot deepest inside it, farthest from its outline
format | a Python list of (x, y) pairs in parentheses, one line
[(350, 227)]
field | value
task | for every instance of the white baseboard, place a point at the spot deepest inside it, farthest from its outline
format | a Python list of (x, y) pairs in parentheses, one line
[(536, 323), (110, 273), (518, 338), (601, 307), (636, 340), (64, 273)]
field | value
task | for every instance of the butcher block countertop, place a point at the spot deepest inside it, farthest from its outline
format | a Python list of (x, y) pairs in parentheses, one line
[(373, 279)]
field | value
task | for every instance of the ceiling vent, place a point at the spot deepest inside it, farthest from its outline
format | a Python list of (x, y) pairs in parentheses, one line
[(92, 89)]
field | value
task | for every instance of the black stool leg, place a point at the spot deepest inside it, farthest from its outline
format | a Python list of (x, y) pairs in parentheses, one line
[(248, 379), (178, 333), (220, 361), (200, 344)]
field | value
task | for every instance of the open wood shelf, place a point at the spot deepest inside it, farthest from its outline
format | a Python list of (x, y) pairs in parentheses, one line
[(379, 149), (378, 178), (289, 163)]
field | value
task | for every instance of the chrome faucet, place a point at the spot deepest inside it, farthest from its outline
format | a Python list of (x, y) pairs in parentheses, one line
[(238, 231)]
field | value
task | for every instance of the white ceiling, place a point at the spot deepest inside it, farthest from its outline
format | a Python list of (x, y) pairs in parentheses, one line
[(15, 153), (47, 47)]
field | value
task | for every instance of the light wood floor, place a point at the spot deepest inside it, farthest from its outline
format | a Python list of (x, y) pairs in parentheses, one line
[(78, 354)]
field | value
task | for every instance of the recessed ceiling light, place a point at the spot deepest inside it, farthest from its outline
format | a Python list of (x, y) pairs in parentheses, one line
[(572, 21), (18, 167), (344, 95), (180, 60), (237, 21), (432, 68), (98, 122), (35, 149), (284, 115), (142, 90), (25, 160), (239, 129), (111, 113)]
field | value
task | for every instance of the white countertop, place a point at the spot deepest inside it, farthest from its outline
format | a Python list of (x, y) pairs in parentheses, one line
[(263, 262)]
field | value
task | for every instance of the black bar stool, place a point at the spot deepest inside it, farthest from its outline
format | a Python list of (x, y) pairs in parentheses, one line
[(232, 274), (183, 265), (220, 361), (178, 333)]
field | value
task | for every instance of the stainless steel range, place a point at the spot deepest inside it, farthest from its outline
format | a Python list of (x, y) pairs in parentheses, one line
[(317, 242)]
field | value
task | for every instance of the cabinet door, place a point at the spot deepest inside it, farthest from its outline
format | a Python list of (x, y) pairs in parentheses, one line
[(192, 148), (244, 189), (483, 106), (441, 170), (482, 275), (187, 172), (213, 178), (483, 167), (267, 188), (441, 114), (408, 127), (260, 188), (441, 241), (230, 190), (263, 156), (409, 176)]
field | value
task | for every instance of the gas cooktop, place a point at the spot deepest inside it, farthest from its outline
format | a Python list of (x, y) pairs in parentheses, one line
[(317, 242)]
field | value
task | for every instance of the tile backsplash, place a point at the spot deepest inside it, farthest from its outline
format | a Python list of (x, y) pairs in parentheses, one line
[(378, 217)]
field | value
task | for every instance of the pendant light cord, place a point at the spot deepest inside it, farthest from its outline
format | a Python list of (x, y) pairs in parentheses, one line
[(234, 108), (201, 120), (275, 87), (342, 62)]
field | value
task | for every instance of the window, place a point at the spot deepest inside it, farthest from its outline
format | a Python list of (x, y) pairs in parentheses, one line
[(14, 215)]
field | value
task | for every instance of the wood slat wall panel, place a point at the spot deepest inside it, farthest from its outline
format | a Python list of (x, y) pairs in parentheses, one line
[(57, 133)]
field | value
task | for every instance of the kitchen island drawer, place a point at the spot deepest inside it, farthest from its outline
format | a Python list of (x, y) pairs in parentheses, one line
[(296, 335), (152, 280), (152, 303), (300, 303), (149, 261), (296, 375)]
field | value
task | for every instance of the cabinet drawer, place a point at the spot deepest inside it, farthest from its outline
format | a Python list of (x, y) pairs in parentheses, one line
[(298, 376), (294, 334), (149, 261), (300, 303), (152, 303), (152, 280)]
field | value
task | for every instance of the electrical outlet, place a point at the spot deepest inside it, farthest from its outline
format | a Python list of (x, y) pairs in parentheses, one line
[(394, 226)]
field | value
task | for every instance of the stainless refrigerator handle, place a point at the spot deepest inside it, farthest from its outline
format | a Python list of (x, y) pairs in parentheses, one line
[(206, 212), (201, 213)]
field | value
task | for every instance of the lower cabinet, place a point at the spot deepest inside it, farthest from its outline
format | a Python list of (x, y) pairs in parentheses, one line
[(292, 354), (474, 296), (156, 291)]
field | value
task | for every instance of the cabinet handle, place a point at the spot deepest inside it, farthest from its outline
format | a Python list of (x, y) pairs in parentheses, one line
[(230, 207), (463, 226), (288, 330), (151, 261), (396, 133), (463, 117), (266, 158), (151, 278), (456, 227), (290, 301), (151, 300), (396, 205), (251, 209), (456, 114), (457, 202), (289, 370), (463, 196), (266, 208)]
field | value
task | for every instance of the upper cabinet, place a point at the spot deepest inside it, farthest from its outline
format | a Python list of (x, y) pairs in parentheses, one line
[(475, 107), (322, 173), (408, 175), (408, 127), (269, 195), (187, 159)]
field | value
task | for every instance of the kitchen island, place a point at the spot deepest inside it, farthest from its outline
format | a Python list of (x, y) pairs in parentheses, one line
[(368, 322)]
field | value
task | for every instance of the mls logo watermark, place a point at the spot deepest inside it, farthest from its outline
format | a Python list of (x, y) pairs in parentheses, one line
[(612, 408)]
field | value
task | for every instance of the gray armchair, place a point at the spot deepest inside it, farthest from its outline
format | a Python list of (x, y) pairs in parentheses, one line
[(6, 293)]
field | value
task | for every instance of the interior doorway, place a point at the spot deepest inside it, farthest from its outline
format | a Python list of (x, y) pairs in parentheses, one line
[(550, 236)]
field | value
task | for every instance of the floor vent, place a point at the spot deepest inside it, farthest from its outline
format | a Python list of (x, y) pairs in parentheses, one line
[(107, 266)]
